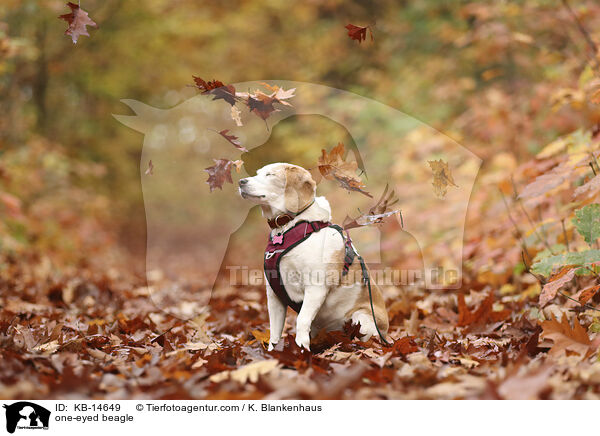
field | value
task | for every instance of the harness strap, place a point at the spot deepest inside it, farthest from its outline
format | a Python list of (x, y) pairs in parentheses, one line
[(298, 234), (273, 259), (350, 252)]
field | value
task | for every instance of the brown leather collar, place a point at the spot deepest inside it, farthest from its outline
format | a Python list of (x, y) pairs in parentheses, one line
[(280, 220), (284, 218)]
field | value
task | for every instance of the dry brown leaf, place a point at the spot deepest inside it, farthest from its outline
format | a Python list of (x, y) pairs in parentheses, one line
[(78, 19), (482, 315), (588, 293), (333, 166), (442, 177), (565, 337), (557, 281)]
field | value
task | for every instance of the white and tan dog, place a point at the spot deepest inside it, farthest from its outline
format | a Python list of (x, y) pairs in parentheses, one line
[(285, 189)]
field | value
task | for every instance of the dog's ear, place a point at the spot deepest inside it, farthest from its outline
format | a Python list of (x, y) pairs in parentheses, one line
[(299, 189)]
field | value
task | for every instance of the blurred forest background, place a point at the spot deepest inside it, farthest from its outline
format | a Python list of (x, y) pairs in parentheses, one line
[(486, 71), (514, 81)]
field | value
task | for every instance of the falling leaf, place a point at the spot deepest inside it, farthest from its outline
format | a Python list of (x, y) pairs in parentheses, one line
[(566, 338), (365, 220), (261, 104), (377, 213), (233, 140), (217, 89), (332, 162), (351, 183), (557, 281), (358, 33), (150, 170), (219, 173), (235, 116), (237, 164), (78, 19), (332, 166), (442, 177)]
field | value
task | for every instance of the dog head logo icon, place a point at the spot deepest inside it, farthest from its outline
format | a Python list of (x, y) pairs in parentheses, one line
[(26, 415)]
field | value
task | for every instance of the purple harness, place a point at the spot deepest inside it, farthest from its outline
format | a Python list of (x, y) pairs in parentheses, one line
[(279, 245)]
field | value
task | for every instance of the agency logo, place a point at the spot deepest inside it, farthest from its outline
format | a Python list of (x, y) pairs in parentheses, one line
[(26, 415)]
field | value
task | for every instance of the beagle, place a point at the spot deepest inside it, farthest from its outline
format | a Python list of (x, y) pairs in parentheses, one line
[(312, 272)]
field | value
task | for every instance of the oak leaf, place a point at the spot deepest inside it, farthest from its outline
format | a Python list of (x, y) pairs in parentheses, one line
[(262, 337), (351, 183), (333, 166), (377, 213), (358, 33), (217, 89), (78, 19), (588, 293), (219, 173), (482, 315), (233, 140), (565, 337), (404, 345), (557, 281), (261, 104), (442, 177)]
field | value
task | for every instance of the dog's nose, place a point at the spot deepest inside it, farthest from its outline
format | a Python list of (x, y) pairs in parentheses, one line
[(243, 181)]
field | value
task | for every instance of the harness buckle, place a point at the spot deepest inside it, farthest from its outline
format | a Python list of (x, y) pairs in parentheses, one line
[(269, 254)]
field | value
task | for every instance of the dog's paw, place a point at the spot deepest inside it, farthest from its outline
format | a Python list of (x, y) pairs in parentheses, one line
[(303, 341), (271, 346)]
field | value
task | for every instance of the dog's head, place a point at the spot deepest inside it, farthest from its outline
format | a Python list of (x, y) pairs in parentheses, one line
[(281, 186)]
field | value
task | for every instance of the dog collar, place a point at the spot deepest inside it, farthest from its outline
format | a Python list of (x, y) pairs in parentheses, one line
[(284, 218)]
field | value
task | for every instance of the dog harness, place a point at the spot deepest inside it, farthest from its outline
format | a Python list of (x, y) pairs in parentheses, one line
[(280, 244)]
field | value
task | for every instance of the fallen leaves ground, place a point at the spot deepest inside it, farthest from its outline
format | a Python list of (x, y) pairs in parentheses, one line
[(98, 334)]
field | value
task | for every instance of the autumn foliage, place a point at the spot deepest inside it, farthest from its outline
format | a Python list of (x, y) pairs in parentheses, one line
[(516, 83)]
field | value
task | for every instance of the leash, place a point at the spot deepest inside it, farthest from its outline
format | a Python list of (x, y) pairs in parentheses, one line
[(367, 281)]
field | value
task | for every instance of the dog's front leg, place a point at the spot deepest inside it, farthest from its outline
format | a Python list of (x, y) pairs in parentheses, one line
[(314, 296), (276, 316)]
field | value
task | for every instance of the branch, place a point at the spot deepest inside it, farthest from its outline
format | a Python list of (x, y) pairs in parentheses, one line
[(584, 32)]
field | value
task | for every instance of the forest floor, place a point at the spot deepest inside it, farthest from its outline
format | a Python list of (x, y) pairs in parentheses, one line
[(96, 333)]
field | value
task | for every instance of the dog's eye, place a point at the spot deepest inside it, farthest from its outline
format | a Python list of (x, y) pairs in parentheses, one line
[(267, 175)]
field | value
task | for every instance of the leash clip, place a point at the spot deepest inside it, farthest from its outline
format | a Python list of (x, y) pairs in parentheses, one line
[(270, 254)]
